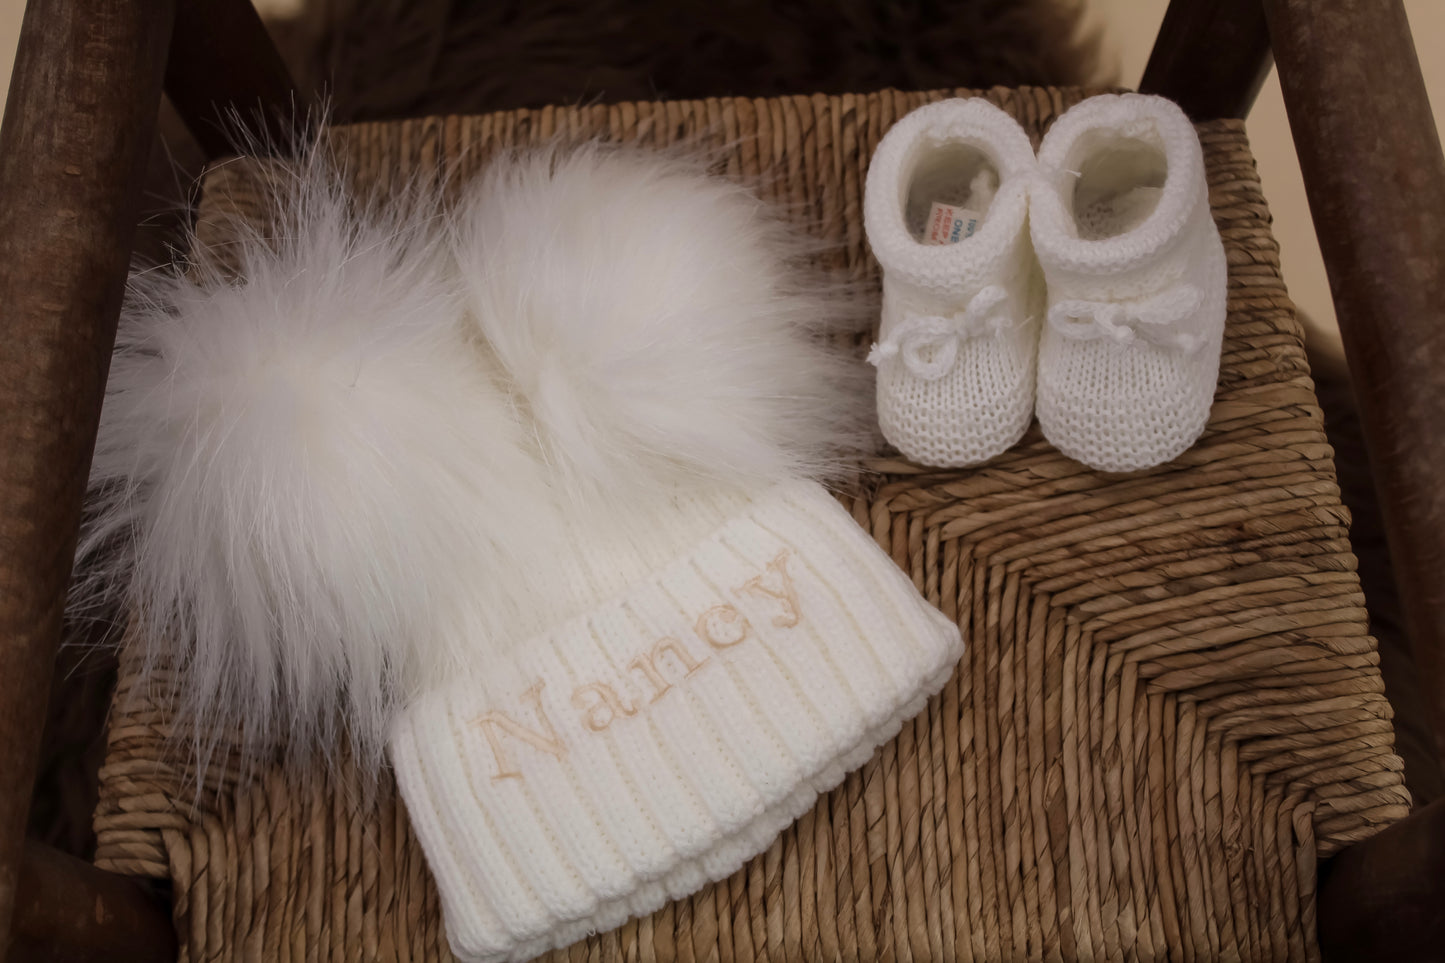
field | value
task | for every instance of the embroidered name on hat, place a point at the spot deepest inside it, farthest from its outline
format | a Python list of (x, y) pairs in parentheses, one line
[(666, 664)]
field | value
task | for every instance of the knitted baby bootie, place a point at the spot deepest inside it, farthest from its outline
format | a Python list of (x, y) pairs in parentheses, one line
[(946, 215), (1136, 277)]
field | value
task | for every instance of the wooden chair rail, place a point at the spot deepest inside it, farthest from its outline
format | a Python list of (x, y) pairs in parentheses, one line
[(226, 79), (78, 126), (1375, 178), (1211, 57), (1384, 898), (67, 911)]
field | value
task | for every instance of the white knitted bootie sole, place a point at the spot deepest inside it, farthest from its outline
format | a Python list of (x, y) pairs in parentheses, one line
[(946, 211), (1136, 280)]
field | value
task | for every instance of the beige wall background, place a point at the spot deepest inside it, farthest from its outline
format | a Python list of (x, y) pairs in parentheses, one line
[(1128, 28), (10, 11)]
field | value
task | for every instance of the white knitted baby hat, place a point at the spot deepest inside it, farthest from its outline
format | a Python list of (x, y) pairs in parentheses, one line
[(703, 682), (1137, 283), (721, 641), (946, 214)]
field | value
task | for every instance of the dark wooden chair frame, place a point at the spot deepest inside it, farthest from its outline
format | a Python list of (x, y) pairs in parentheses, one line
[(81, 113)]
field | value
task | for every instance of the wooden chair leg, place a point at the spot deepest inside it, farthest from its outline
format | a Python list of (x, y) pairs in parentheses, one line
[(1211, 57), (225, 77), (1382, 899), (1375, 178), (70, 912), (78, 125)]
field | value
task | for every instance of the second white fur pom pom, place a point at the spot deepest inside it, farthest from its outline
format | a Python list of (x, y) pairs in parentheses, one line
[(661, 324)]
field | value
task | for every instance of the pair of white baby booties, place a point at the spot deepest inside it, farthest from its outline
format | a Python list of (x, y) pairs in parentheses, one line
[(1086, 283)]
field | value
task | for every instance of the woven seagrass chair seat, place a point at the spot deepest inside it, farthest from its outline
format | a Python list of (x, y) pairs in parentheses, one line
[(1169, 710)]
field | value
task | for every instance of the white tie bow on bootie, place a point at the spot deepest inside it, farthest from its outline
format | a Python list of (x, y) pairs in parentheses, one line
[(929, 344)]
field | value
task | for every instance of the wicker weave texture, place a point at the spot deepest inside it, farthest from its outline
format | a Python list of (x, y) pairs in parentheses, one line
[(1168, 711)]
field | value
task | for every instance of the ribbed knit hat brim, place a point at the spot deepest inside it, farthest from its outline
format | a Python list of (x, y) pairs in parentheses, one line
[(666, 736)]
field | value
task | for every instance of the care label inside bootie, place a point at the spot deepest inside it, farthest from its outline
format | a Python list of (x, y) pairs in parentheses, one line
[(949, 194), (948, 224)]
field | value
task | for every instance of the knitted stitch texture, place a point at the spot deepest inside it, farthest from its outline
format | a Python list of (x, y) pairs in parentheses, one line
[(1136, 278), (686, 704), (959, 332)]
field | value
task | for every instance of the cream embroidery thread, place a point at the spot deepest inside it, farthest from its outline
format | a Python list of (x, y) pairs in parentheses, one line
[(600, 704), (647, 664), (494, 722), (728, 615), (607, 698), (788, 594)]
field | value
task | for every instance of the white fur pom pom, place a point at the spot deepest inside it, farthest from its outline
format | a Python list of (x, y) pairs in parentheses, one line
[(302, 472), (661, 324)]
